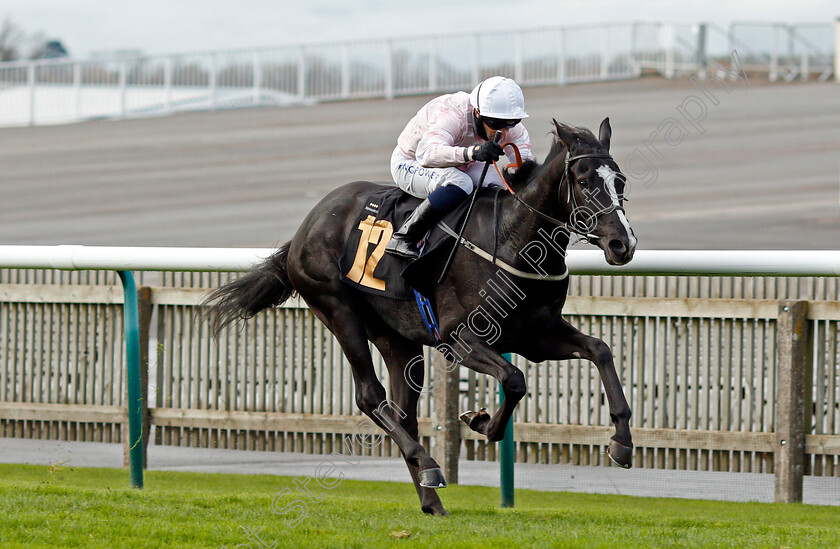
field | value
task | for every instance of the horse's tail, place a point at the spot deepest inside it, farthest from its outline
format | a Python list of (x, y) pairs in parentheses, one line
[(266, 285)]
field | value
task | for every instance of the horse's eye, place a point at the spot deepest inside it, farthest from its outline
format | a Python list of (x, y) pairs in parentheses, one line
[(584, 183)]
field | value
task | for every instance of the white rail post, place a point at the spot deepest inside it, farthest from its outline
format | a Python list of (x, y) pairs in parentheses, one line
[(791, 48), (77, 87), (669, 51), (31, 78), (805, 69), (257, 78), (167, 84), (518, 72), (837, 50), (700, 53), (773, 72), (561, 57), (389, 71), (345, 71), (432, 65), (605, 60), (123, 86), (211, 84), (301, 76), (475, 70), (731, 38)]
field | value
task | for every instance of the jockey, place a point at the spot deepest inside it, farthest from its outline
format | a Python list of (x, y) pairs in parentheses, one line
[(440, 153)]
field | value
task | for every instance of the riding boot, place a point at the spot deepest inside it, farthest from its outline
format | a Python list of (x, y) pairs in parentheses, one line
[(404, 242)]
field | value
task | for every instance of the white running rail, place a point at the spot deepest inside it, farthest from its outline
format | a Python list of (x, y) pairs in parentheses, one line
[(645, 262)]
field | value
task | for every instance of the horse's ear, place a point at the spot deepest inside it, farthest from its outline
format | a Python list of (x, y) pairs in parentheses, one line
[(564, 133), (604, 133)]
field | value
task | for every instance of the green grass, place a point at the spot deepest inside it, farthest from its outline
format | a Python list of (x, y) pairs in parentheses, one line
[(80, 507)]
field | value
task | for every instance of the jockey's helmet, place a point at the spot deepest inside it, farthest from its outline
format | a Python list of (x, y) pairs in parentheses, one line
[(499, 97)]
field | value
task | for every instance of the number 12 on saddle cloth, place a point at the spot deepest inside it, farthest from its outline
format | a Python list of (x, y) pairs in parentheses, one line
[(364, 263), (374, 232)]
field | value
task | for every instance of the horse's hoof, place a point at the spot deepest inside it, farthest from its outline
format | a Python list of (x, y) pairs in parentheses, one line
[(620, 454), (432, 478), (477, 421), (438, 511)]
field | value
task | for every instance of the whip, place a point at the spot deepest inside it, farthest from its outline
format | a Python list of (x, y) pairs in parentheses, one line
[(496, 139)]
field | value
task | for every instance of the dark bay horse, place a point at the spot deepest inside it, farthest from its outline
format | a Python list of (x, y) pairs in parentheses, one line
[(578, 189)]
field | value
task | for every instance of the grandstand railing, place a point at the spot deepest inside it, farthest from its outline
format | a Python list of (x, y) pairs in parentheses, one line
[(785, 51), (55, 91)]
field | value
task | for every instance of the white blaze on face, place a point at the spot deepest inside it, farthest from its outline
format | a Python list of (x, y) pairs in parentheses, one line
[(609, 175)]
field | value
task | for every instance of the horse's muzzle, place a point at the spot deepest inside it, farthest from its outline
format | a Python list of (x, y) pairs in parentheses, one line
[(618, 252)]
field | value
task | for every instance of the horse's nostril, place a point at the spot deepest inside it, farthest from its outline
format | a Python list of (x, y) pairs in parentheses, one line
[(618, 247)]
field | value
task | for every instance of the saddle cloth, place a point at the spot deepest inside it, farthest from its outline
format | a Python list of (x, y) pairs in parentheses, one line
[(366, 266)]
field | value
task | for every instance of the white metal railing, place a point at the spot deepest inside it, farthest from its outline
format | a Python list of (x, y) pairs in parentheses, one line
[(645, 262), (782, 50), (74, 257), (54, 91), (62, 90)]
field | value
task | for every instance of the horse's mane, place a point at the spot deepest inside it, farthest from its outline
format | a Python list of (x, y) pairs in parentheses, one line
[(530, 168), (523, 174)]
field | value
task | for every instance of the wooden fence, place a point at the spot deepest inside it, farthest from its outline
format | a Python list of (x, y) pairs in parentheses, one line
[(698, 358)]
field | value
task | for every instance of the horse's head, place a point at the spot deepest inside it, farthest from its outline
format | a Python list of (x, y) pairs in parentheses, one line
[(592, 191)]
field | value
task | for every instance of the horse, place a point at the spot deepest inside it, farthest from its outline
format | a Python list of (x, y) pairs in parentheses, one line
[(578, 189)]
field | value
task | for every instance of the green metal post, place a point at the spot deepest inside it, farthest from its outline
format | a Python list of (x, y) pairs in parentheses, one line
[(135, 395), (507, 456)]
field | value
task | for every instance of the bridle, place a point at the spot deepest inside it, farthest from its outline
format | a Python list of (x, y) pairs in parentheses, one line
[(509, 268), (567, 177)]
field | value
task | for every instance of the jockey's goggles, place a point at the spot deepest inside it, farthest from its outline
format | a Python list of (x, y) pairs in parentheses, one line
[(499, 123)]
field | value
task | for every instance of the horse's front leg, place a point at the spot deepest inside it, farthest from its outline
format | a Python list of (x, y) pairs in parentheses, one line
[(483, 359), (562, 341)]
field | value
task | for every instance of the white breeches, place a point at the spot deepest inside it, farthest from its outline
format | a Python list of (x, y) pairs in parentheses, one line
[(418, 181)]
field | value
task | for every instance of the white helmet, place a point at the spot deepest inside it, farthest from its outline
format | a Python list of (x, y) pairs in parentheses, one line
[(499, 97)]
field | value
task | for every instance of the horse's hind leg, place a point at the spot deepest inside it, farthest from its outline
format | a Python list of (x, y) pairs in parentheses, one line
[(349, 328), (405, 392)]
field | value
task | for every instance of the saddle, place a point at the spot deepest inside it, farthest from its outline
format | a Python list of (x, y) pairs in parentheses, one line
[(366, 266)]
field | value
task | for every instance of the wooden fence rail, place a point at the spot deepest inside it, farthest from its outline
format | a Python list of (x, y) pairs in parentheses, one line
[(703, 366)]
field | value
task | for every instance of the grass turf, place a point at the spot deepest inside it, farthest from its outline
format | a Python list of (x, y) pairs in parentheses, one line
[(85, 507)]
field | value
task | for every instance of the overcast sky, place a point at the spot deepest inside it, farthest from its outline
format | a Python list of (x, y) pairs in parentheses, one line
[(168, 26)]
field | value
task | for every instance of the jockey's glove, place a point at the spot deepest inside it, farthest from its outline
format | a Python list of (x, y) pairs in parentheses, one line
[(489, 151)]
